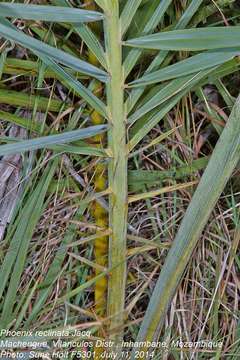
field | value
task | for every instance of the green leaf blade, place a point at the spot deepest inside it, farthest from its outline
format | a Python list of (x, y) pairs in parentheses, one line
[(48, 13), (171, 89), (48, 141), (190, 39), (191, 65), (7, 31), (128, 13), (157, 14)]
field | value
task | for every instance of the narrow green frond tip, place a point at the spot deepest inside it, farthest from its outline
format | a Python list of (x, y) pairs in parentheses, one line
[(48, 13)]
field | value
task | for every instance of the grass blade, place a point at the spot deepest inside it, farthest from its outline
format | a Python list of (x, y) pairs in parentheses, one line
[(15, 98), (14, 66), (153, 193), (137, 179), (17, 252), (21, 121)]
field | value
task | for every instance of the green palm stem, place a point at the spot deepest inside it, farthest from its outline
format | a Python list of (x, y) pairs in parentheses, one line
[(117, 172)]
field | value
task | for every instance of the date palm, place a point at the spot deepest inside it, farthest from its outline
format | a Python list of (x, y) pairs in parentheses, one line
[(132, 104)]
